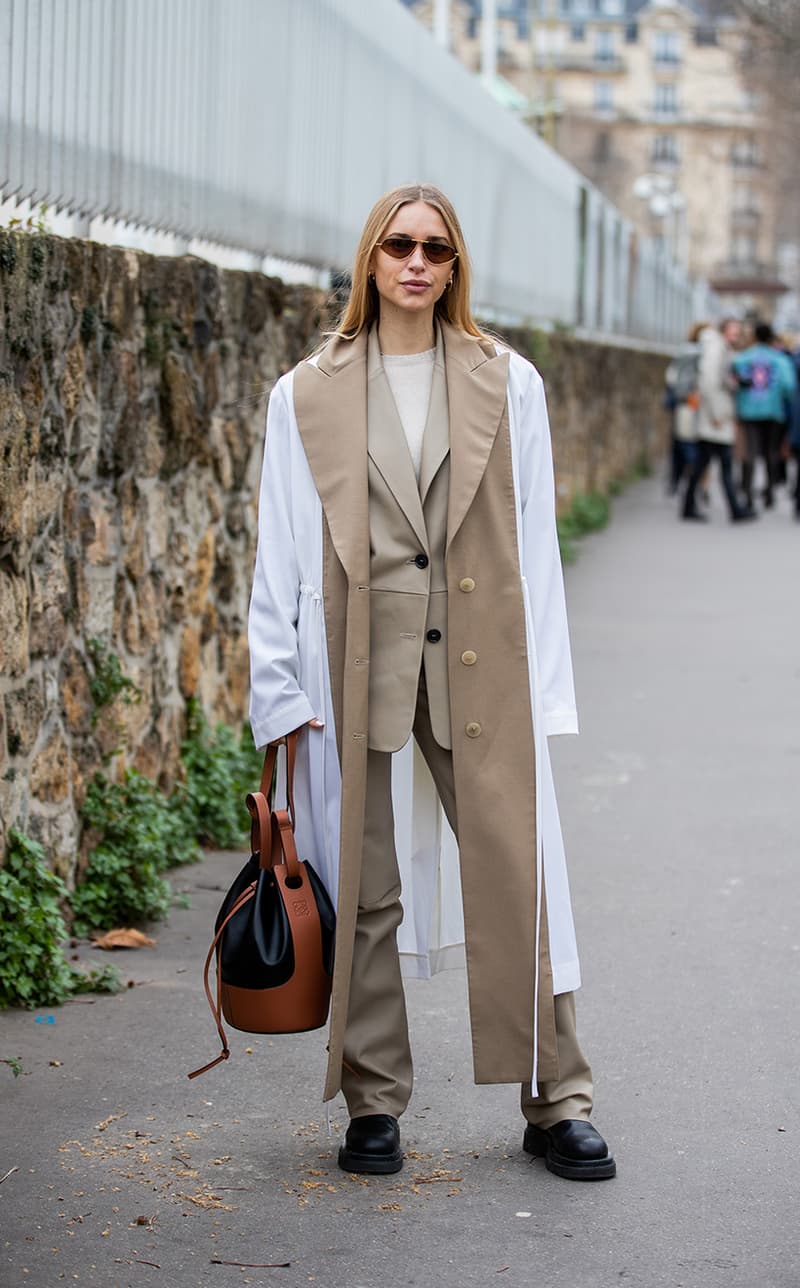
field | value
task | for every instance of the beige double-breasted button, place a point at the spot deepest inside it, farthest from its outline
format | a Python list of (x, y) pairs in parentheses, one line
[(468, 657), (466, 584), (473, 729)]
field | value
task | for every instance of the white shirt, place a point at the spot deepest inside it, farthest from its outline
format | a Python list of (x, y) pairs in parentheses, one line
[(410, 377)]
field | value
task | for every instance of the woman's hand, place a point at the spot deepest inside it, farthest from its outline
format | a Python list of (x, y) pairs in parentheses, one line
[(315, 724)]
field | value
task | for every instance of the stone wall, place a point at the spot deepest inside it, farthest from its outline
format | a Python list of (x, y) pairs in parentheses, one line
[(132, 397)]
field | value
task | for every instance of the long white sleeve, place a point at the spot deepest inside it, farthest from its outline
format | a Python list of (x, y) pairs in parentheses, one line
[(541, 562), (277, 703)]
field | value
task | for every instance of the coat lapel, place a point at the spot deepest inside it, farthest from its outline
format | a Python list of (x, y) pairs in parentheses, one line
[(387, 444), (476, 391), (436, 443), (330, 402)]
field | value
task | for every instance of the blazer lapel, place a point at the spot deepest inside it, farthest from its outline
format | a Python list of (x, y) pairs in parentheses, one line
[(387, 444), (477, 378), (330, 402), (436, 443)]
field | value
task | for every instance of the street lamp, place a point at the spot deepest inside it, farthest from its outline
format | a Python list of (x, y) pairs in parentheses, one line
[(666, 204)]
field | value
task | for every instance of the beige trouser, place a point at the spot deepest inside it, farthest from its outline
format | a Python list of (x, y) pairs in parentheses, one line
[(378, 1074)]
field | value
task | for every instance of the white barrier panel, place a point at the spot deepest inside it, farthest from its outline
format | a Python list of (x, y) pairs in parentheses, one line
[(272, 126)]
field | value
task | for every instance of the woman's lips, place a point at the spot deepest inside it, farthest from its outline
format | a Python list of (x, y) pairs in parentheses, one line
[(416, 287)]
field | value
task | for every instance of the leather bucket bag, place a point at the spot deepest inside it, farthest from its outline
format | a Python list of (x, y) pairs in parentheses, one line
[(274, 934)]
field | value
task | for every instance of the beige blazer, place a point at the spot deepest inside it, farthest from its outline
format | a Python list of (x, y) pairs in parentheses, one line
[(408, 587)]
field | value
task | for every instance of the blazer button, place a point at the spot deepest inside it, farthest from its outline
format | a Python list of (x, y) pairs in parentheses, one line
[(469, 658), (473, 729), (433, 636), (466, 584), (421, 561)]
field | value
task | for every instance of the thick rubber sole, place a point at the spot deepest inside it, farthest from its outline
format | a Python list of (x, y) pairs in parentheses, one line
[(369, 1164), (537, 1143)]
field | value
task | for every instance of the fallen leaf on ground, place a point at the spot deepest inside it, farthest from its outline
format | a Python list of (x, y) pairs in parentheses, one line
[(439, 1175), (112, 1118), (124, 939)]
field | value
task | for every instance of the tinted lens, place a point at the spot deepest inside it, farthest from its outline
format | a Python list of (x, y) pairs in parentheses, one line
[(438, 252), (402, 247), (398, 247)]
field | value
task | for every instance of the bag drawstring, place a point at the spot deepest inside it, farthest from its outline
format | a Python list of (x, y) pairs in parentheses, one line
[(216, 1005)]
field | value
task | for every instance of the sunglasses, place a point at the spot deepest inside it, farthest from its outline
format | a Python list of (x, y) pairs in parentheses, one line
[(400, 247)]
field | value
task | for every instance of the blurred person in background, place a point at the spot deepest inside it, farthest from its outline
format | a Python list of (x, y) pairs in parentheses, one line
[(784, 344), (681, 400), (766, 382), (794, 420), (408, 582), (716, 419)]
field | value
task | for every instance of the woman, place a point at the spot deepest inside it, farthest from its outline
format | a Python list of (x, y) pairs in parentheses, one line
[(408, 580), (716, 419)]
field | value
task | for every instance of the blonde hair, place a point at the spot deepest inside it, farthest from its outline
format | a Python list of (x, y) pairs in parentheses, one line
[(363, 305)]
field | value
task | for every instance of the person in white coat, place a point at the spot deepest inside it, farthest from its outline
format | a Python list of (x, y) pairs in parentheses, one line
[(716, 419), (408, 611)]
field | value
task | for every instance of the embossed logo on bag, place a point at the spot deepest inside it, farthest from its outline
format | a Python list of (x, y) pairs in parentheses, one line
[(300, 907)]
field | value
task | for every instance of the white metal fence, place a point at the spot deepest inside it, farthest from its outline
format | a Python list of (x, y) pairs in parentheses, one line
[(272, 125)]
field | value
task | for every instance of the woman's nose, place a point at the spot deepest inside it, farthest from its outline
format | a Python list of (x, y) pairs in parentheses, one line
[(417, 260)]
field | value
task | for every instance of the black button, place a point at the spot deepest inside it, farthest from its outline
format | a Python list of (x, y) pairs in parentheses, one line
[(421, 561), (433, 636)]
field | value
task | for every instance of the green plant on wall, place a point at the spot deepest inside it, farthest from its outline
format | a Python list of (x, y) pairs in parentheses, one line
[(221, 768), (139, 833), (589, 512), (35, 222), (142, 834), (108, 681), (33, 968)]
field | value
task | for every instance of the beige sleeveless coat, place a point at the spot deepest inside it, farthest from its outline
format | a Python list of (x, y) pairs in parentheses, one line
[(508, 965)]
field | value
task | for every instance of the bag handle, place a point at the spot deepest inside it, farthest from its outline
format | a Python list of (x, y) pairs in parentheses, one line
[(289, 741), (283, 845), (260, 828), (272, 836)]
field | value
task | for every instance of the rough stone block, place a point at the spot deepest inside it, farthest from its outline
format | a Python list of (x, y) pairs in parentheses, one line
[(155, 503), (50, 598), (152, 606), (13, 802), (220, 453), (14, 631), (189, 664), (24, 714), (19, 448), (202, 572), (99, 615), (72, 379), (49, 772), (76, 697)]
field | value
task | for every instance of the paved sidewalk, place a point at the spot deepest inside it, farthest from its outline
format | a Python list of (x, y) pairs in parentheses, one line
[(680, 810)]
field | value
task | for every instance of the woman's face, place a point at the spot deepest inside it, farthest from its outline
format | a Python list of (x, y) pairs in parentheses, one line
[(412, 285)]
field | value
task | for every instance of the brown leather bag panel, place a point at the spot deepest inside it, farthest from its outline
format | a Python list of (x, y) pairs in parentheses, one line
[(302, 1002)]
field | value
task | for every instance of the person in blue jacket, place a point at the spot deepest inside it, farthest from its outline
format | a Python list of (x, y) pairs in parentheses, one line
[(794, 428), (766, 383)]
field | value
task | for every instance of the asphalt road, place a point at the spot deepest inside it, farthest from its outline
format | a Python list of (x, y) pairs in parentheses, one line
[(680, 811)]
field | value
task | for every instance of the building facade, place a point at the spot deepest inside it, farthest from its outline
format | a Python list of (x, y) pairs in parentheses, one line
[(648, 100)]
